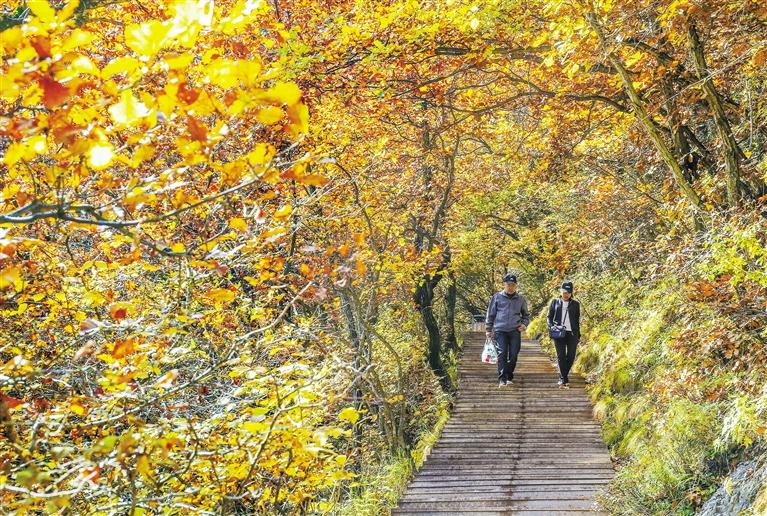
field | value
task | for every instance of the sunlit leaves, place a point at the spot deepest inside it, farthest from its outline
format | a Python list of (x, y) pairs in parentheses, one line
[(43, 10), (146, 39), (128, 111), (10, 278), (101, 155)]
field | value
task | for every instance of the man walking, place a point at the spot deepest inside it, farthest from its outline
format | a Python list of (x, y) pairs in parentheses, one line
[(507, 317)]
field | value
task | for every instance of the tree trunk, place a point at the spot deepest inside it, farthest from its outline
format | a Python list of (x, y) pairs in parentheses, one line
[(732, 152), (451, 342), (641, 113), (424, 297), (678, 137), (360, 357)]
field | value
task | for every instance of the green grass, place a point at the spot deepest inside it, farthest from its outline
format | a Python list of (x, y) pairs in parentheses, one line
[(382, 485)]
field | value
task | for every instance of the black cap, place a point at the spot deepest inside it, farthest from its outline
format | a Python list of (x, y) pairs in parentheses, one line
[(510, 278), (567, 286)]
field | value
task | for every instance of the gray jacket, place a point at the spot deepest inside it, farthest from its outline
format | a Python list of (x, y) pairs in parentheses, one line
[(506, 312)]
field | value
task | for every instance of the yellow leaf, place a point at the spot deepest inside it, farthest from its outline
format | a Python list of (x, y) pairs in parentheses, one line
[(120, 65), (238, 224), (77, 38), (349, 414), (10, 277), (43, 10), (67, 10), (633, 59), (220, 295), (82, 64), (284, 212), (253, 282), (223, 73), (260, 154), (146, 39), (15, 153), (254, 427), (190, 17), (284, 93), (299, 117), (142, 466), (179, 61), (269, 115), (178, 247), (126, 112), (273, 234), (78, 408)]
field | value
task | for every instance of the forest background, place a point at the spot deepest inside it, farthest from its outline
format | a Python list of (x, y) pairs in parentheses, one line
[(239, 240)]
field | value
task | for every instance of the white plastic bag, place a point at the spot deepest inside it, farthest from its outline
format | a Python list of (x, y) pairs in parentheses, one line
[(489, 353)]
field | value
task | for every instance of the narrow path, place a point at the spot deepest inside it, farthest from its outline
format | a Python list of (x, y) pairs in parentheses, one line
[(529, 448)]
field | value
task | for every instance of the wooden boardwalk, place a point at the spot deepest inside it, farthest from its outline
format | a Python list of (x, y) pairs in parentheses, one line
[(528, 448)]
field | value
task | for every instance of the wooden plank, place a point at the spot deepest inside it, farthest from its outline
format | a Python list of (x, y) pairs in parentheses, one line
[(529, 448)]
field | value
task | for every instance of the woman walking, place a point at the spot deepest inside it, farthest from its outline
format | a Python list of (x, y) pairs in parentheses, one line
[(565, 312)]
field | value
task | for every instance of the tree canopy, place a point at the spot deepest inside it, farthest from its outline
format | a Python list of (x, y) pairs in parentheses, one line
[(239, 239)]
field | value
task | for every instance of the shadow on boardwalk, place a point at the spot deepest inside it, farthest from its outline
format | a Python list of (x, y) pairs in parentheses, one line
[(528, 448)]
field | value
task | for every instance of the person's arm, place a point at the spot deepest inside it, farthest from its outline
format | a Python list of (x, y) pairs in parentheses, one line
[(490, 319), (552, 312), (525, 315), (578, 318)]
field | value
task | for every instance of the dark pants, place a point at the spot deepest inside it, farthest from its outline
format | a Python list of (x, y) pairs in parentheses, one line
[(509, 343), (566, 354)]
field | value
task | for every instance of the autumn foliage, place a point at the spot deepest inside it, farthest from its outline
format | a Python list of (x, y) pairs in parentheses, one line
[(239, 239)]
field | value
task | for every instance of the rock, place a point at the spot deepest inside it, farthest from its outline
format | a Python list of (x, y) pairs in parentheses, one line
[(739, 490)]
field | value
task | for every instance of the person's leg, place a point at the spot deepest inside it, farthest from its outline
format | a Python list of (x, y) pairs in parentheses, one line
[(515, 345), (572, 344), (561, 345), (502, 338)]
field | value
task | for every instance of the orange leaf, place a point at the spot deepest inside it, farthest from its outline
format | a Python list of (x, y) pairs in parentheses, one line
[(760, 58), (10, 402), (186, 94), (42, 46), (88, 325), (91, 474), (313, 180), (54, 93), (119, 310), (197, 130), (123, 348)]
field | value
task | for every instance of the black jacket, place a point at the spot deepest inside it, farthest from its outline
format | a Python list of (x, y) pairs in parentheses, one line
[(573, 312)]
